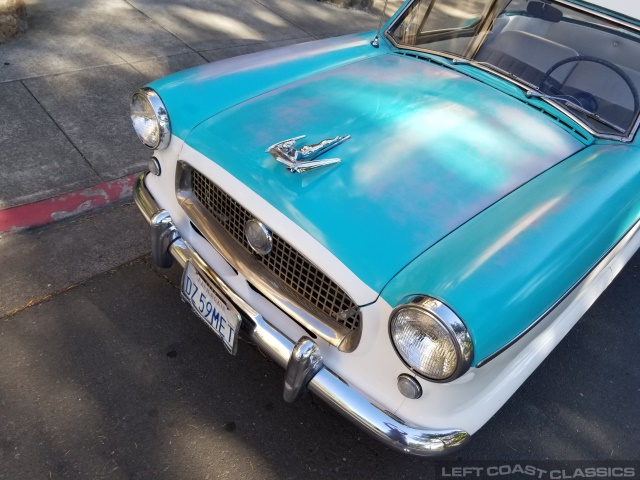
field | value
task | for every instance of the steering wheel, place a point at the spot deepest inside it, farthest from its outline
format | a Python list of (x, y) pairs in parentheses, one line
[(578, 58)]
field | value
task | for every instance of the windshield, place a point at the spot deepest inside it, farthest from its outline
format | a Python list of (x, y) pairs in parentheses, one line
[(585, 63)]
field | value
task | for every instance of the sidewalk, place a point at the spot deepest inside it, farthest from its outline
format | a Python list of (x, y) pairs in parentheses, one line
[(65, 86)]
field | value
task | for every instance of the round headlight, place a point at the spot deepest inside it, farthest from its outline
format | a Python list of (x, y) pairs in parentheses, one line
[(150, 119), (431, 339)]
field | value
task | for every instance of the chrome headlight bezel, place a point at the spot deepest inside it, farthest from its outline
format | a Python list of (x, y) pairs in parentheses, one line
[(161, 117), (446, 318)]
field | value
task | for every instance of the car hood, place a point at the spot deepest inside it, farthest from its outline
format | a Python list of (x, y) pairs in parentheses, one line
[(430, 148)]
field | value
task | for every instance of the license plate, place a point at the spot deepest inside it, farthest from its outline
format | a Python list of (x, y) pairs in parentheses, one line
[(212, 307)]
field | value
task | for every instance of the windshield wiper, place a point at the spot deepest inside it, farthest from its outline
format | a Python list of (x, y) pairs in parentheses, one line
[(567, 102), (490, 66), (578, 108)]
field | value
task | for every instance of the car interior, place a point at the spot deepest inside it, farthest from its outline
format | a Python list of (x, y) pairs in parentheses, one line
[(559, 51), (602, 63)]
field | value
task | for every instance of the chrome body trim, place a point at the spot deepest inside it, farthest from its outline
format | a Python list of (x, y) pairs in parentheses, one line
[(301, 310), (325, 384), (455, 326), (610, 18), (162, 116)]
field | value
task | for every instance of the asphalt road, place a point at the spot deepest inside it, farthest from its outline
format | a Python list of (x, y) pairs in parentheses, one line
[(105, 373)]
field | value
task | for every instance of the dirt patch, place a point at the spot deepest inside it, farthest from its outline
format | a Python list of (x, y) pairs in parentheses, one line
[(13, 19)]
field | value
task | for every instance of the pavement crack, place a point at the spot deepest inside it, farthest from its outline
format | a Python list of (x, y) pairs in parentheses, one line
[(285, 19), (38, 300), (166, 30), (160, 274), (61, 129), (65, 72)]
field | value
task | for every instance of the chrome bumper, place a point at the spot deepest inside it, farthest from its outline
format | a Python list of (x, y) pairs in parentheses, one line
[(302, 360)]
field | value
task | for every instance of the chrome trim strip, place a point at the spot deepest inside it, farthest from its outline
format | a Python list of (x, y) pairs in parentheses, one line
[(300, 309), (568, 4), (454, 325), (609, 18), (604, 260), (325, 384)]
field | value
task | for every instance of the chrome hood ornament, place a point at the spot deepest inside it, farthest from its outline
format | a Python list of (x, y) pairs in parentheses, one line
[(303, 159)]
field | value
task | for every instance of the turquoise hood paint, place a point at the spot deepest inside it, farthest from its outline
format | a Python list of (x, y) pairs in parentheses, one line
[(506, 267), (192, 96), (430, 149)]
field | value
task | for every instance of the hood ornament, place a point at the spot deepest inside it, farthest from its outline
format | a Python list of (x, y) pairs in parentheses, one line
[(303, 159)]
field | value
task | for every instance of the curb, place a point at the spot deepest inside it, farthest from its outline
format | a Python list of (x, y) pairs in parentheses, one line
[(67, 205)]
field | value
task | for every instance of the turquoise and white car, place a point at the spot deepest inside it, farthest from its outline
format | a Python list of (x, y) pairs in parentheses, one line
[(410, 221)]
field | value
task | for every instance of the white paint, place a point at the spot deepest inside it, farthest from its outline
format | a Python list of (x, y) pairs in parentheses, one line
[(372, 369), (469, 403)]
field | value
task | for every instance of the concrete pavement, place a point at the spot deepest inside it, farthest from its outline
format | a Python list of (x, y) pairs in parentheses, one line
[(65, 85)]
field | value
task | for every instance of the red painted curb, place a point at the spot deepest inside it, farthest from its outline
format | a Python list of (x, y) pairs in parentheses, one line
[(67, 205)]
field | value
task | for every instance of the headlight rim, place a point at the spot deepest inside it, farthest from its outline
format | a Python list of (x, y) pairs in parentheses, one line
[(452, 323), (161, 114)]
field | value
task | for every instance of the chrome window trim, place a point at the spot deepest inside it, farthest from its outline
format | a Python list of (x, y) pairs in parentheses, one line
[(610, 18), (305, 313), (454, 325), (605, 16)]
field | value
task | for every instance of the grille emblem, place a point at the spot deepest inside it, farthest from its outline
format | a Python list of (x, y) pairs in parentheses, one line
[(258, 236), (303, 160)]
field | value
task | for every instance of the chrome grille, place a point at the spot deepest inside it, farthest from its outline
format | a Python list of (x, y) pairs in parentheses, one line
[(284, 261)]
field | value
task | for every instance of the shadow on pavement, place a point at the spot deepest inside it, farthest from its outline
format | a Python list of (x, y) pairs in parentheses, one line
[(117, 379)]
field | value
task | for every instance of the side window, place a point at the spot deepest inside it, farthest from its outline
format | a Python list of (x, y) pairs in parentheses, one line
[(454, 14), (407, 31), (446, 25)]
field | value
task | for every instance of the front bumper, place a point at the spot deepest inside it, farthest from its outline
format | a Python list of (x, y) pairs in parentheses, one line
[(302, 360)]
